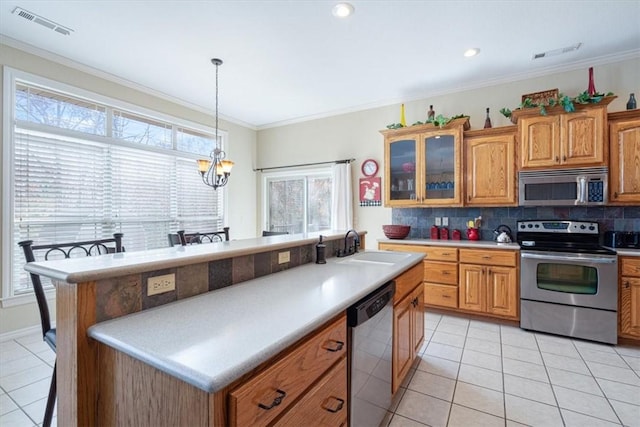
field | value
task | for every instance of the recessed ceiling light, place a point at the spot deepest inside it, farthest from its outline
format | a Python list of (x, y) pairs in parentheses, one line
[(471, 52), (342, 10)]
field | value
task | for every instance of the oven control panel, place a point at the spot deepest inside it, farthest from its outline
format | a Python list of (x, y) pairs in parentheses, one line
[(564, 227)]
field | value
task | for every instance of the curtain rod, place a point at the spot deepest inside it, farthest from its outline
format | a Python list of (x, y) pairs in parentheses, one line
[(305, 164)]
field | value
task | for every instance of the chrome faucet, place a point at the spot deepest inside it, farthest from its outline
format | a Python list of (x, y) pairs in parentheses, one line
[(349, 250)]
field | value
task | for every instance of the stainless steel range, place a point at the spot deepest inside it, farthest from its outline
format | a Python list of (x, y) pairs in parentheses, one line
[(568, 281)]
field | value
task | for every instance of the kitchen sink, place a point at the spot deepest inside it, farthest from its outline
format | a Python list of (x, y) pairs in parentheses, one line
[(384, 258)]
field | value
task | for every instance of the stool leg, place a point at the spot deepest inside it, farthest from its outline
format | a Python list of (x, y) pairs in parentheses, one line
[(51, 400)]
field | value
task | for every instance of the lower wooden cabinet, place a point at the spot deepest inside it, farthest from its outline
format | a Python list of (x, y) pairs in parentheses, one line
[(489, 282), (629, 310), (408, 326)]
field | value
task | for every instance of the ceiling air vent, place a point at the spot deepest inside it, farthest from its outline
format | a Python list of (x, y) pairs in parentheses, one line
[(557, 51), (29, 16)]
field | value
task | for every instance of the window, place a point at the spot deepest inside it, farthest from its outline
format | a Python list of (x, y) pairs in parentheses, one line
[(79, 167), (298, 202)]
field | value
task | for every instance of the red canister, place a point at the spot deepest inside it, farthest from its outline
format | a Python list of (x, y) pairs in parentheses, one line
[(444, 233), (455, 234), (473, 234), (435, 232)]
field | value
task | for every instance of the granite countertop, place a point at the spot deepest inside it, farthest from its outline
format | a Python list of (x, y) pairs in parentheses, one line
[(77, 270), (490, 244), (627, 252), (212, 339)]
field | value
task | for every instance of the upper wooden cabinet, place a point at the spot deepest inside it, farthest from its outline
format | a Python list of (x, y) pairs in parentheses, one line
[(624, 166), (560, 139), (490, 167), (423, 165)]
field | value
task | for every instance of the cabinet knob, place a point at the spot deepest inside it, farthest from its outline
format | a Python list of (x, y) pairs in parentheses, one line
[(564, 158), (626, 284), (615, 194), (276, 401), (339, 345), (338, 406), (557, 159)]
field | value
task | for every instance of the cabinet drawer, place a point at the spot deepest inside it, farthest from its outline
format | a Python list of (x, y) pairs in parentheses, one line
[(489, 257), (325, 403), (407, 281), (282, 383), (442, 295), (436, 253), (441, 272), (630, 266)]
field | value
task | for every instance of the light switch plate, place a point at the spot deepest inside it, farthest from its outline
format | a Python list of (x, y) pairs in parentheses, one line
[(284, 257), (161, 284), (438, 222), (445, 221)]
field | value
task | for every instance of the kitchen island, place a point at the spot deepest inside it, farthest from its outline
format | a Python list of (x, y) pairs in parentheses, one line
[(207, 340)]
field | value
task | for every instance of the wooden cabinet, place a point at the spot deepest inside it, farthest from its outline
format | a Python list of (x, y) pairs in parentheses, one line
[(629, 309), (624, 165), (490, 167), (408, 323), (423, 165), (489, 282), (267, 395), (562, 139)]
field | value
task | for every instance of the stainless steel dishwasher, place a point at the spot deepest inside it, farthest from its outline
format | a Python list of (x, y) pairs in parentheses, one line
[(370, 323)]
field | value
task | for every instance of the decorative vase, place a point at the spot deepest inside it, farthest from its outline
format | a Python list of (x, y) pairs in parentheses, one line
[(403, 122), (592, 85), (473, 234), (631, 104), (487, 121), (431, 114)]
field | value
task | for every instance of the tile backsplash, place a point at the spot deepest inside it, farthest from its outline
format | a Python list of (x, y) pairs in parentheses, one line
[(421, 219)]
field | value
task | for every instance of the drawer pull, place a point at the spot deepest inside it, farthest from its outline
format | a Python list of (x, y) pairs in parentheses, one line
[(276, 401), (446, 296), (338, 347), (337, 408), (486, 257), (446, 253), (446, 273)]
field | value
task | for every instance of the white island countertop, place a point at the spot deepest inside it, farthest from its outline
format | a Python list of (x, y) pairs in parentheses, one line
[(212, 339)]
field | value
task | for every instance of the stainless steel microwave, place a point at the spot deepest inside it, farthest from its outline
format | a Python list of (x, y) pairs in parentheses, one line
[(563, 187)]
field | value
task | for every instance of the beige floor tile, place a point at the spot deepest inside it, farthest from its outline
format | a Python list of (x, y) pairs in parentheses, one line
[(603, 357), (486, 325), (16, 418), (454, 320), (6, 404), (400, 421), (511, 423), (480, 376), (574, 381), (532, 413), (484, 346), (619, 391), (525, 370), (465, 417), (613, 373), (449, 339), (484, 360), (566, 363), (529, 389), (594, 346), (452, 328), (628, 350), (632, 362), (522, 354), (35, 410), (19, 365), (13, 353), (520, 340), (574, 419), (584, 403), (23, 378), (432, 385), (479, 398), (484, 334), (557, 345), (629, 414), (436, 365), (32, 392), (424, 409), (444, 351)]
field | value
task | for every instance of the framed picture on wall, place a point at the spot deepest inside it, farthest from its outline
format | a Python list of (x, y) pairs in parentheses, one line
[(370, 191)]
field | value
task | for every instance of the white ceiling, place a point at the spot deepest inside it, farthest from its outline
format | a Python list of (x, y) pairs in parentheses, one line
[(291, 60)]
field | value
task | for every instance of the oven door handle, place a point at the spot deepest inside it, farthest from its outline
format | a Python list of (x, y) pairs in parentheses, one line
[(569, 258)]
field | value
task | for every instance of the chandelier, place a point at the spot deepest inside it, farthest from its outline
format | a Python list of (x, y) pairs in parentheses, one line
[(216, 169)]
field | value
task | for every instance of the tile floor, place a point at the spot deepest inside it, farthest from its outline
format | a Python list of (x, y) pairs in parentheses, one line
[(468, 373)]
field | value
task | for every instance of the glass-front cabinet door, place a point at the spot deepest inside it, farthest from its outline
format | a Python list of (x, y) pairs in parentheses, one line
[(401, 186), (423, 165)]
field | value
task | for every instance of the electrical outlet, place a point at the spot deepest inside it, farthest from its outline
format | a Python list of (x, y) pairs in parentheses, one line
[(438, 222), (161, 284), (445, 221), (284, 257)]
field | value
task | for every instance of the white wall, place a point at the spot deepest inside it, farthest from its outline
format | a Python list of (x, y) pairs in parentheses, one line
[(357, 134), (241, 190)]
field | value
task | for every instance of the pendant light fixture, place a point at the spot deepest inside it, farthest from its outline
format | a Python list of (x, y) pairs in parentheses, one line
[(216, 169)]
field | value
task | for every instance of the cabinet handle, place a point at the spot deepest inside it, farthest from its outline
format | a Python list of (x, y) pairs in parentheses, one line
[(557, 159), (564, 158), (446, 296), (445, 273), (626, 284), (615, 194), (276, 401), (337, 408), (338, 347), (469, 198), (486, 257)]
